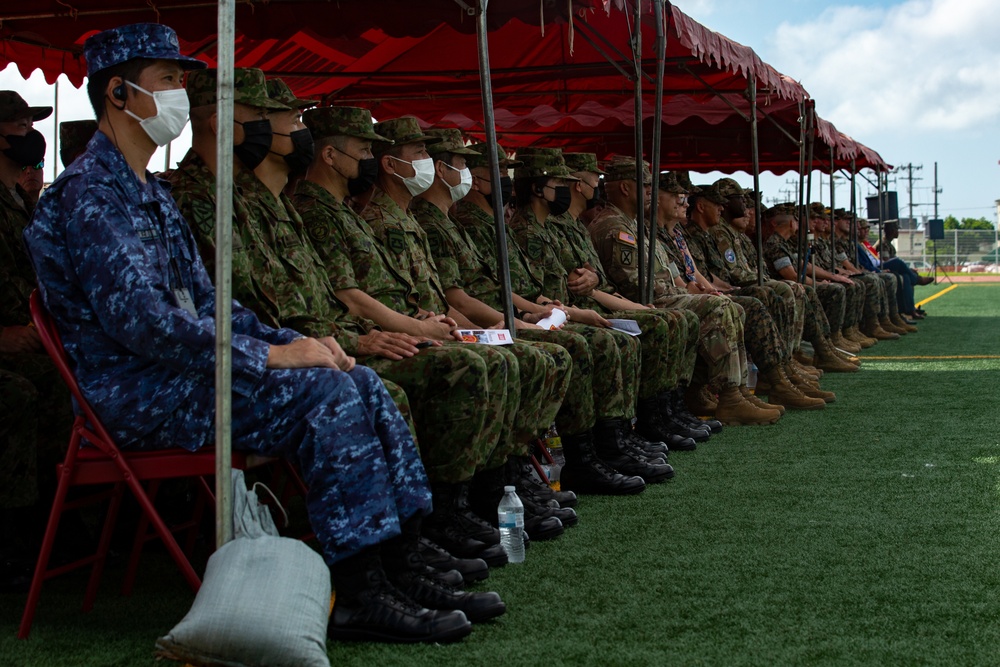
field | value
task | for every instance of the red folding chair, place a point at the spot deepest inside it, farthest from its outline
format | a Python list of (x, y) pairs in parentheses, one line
[(94, 458)]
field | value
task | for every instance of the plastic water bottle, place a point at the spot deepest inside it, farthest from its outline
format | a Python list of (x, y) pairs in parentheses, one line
[(751, 376), (510, 514), (553, 444)]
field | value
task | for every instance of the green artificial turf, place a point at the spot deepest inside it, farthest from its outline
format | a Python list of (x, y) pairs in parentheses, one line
[(864, 534)]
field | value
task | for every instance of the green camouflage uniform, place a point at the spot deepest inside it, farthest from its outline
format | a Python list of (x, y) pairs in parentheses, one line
[(73, 138), (671, 334), (539, 248), (594, 351), (779, 253), (31, 385), (613, 234), (406, 260), (884, 283), (824, 255), (733, 248), (761, 331), (542, 398)]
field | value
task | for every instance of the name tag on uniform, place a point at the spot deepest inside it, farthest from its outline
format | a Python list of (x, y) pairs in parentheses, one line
[(184, 300), (147, 235), (674, 271)]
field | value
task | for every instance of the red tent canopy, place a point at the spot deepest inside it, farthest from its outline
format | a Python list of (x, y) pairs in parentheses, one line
[(558, 78)]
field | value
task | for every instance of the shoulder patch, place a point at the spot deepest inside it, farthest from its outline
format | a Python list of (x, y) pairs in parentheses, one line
[(730, 255), (395, 240), (435, 242), (318, 230), (203, 216), (626, 254)]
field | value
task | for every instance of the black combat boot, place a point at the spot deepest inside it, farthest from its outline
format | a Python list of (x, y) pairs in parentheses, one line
[(679, 409), (369, 608), (656, 421), (611, 445), (584, 472), (456, 528), (531, 490)]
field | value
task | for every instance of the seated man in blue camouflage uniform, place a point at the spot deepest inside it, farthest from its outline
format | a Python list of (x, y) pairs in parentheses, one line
[(120, 273)]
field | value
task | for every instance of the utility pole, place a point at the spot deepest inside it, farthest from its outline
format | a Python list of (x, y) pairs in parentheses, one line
[(910, 168), (937, 191)]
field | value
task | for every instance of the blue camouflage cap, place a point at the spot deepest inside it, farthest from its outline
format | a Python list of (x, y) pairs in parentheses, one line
[(139, 40)]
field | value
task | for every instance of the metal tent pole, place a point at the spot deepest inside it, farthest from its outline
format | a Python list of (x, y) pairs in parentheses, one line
[(854, 212), (486, 86), (755, 160), (223, 277), (640, 204), (804, 215), (654, 158), (833, 219)]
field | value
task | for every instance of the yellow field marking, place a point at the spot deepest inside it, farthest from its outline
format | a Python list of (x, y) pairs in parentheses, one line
[(941, 293), (957, 356)]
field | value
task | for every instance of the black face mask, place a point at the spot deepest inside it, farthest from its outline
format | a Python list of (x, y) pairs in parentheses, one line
[(562, 201), (26, 151), (735, 208), (367, 171), (257, 136), (506, 191), (594, 198), (303, 150)]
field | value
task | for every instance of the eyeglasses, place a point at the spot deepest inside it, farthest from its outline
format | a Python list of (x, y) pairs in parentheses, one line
[(39, 166)]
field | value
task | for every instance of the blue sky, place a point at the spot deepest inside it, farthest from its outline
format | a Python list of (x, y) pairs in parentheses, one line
[(917, 80)]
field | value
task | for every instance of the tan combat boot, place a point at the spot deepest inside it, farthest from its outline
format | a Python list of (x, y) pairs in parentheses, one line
[(855, 334), (828, 359), (756, 401), (873, 329), (783, 392), (890, 326), (900, 323), (734, 410), (808, 386), (838, 339), (700, 401), (806, 370)]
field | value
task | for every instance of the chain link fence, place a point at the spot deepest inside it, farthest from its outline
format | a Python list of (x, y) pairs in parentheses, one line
[(960, 251)]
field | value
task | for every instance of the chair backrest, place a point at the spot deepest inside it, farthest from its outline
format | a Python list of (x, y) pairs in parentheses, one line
[(52, 343)]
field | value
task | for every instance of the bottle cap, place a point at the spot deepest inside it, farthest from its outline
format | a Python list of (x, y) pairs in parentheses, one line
[(509, 489)]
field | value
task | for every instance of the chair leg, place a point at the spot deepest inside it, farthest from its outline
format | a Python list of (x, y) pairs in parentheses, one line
[(110, 521), (65, 472), (165, 534), (141, 534)]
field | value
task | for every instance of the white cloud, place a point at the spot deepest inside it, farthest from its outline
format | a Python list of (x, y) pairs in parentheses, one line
[(925, 64)]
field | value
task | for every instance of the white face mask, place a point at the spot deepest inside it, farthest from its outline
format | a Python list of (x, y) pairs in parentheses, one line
[(422, 178), (464, 185), (172, 108)]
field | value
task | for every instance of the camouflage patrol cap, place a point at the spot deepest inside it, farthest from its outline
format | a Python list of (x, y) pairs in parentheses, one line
[(670, 184), (728, 187), (403, 130), (450, 142), (74, 135), (583, 162), (139, 40), (279, 91), (13, 107), (785, 208), (841, 214), (539, 162), (249, 89), (750, 197), (711, 193), (684, 179), (326, 122), (818, 210), (481, 158), (622, 168)]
